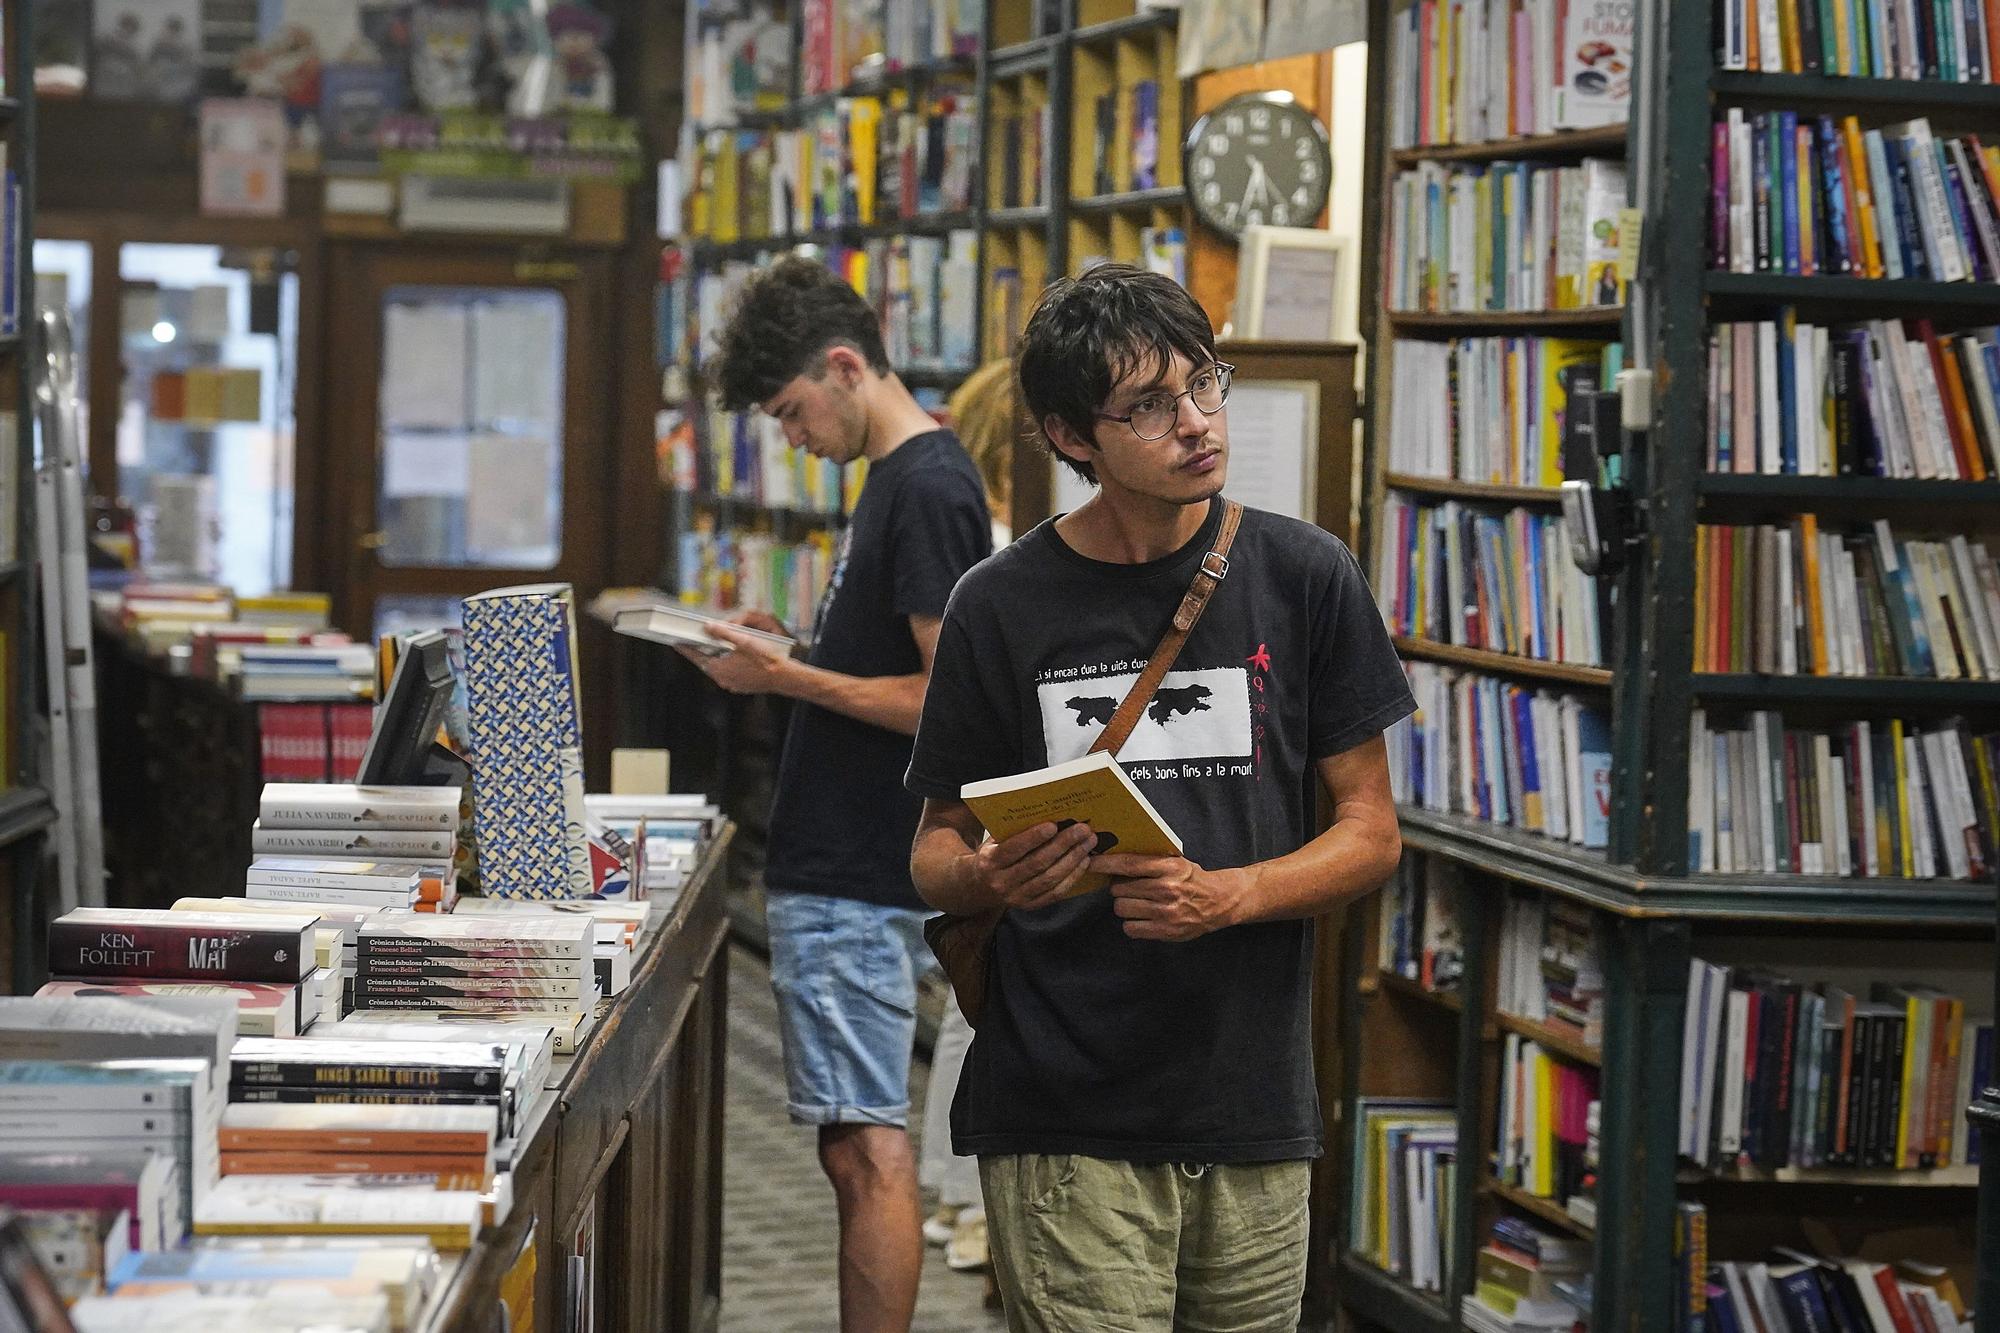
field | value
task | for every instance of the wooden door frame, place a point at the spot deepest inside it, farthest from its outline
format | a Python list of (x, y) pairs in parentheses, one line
[(347, 478), (106, 231)]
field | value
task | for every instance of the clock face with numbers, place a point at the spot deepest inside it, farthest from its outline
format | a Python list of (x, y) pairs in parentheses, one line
[(1260, 158)]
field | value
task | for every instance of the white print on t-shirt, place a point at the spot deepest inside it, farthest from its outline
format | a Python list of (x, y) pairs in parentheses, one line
[(1193, 715)]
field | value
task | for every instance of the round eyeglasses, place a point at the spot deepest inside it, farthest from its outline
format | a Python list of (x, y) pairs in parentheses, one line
[(1153, 417)]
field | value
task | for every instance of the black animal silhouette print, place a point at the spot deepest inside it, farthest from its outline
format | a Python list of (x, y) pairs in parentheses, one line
[(1188, 700), (1093, 710)]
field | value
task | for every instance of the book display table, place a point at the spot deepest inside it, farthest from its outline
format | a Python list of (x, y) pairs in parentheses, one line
[(616, 1219)]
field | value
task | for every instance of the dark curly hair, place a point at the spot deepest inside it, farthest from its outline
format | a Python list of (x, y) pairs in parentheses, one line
[(786, 319), (1088, 333)]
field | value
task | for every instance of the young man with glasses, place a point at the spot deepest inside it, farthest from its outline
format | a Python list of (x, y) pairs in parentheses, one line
[(846, 926), (1140, 1089)]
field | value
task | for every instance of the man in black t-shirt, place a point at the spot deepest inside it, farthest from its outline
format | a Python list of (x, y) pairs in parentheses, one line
[(846, 925), (1140, 1090)]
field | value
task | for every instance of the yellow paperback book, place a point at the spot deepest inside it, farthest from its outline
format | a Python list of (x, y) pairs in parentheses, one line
[(1093, 790)]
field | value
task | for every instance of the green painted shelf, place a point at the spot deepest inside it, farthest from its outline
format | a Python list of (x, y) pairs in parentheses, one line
[(1849, 91)]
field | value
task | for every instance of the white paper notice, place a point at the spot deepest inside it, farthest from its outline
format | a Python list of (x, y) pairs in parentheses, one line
[(423, 367), (513, 502), (425, 464), (1273, 434), (517, 362), (1301, 293)]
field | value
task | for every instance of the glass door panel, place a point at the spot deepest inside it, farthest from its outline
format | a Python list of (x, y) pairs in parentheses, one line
[(470, 462)]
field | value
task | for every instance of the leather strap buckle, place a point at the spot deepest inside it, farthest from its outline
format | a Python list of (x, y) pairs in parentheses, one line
[(1215, 565)]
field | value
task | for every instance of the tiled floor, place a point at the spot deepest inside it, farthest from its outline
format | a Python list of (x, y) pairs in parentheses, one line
[(778, 1270)]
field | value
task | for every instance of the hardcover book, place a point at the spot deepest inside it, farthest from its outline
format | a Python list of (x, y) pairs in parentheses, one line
[(330, 805), (196, 946)]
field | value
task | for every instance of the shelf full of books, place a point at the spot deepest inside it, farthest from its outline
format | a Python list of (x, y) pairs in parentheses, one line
[(1791, 716)]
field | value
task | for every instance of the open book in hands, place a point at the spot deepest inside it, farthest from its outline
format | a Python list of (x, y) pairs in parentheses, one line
[(1093, 790), (684, 627)]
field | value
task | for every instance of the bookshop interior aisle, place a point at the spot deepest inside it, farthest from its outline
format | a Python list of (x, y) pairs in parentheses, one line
[(394, 866), (779, 1238)]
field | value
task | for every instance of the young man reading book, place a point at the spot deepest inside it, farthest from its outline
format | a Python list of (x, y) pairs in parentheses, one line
[(845, 923), (1140, 1088)]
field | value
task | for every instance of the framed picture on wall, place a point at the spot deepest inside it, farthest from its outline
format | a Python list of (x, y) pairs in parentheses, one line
[(1289, 284)]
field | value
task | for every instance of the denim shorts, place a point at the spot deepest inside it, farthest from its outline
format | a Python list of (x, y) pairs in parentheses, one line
[(845, 973)]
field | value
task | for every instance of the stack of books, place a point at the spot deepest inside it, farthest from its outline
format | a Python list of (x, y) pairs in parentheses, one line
[(305, 671), (676, 831), (516, 964), (1792, 599), (617, 926), (1797, 194), (451, 1144), (405, 1274), (1466, 71), (263, 1308), (263, 963), (333, 946), (1505, 236), (1877, 797), (1778, 1073), (1406, 1152), (370, 847), (1551, 965), (1544, 1113), (531, 1045), (1957, 41), (1491, 409), (1879, 399), (1477, 745), (1527, 1280), (1501, 580), (109, 1109), (160, 616)]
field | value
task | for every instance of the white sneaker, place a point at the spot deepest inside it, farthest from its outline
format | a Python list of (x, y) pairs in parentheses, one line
[(938, 1226), (968, 1241)]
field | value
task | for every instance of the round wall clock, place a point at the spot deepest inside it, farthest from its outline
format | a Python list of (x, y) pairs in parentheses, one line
[(1257, 158)]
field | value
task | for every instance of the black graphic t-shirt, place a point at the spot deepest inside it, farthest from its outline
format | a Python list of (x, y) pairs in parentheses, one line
[(841, 822), (1092, 1042)]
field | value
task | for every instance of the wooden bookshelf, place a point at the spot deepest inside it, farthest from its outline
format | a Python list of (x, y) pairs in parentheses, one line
[(1917, 94), (1846, 1178), (1558, 1039), (1879, 294), (1874, 692), (1492, 492), (1506, 664), (1607, 139), (1548, 1210), (1849, 490), (1402, 985), (1596, 318)]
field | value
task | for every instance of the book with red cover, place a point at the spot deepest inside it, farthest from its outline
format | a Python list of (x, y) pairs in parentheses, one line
[(183, 946)]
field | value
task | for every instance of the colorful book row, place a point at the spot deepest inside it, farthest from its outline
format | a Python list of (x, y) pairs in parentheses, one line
[(725, 569), (1490, 409), (1795, 600), (1406, 1152), (1466, 71), (1418, 936), (1888, 799), (1798, 194), (1501, 580), (859, 162), (1779, 1073), (1881, 399), (1957, 41), (850, 40), (1545, 1105), (1520, 236), (1478, 746)]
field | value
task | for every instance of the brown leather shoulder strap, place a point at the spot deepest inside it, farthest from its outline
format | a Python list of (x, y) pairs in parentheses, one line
[(1208, 576)]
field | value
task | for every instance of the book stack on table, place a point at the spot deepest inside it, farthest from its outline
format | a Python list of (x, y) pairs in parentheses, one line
[(263, 962), (309, 1274), (417, 1167), (511, 965), (272, 1308), (108, 1115), (351, 846), (334, 940)]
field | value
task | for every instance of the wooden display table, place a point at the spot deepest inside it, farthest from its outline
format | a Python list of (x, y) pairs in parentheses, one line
[(627, 1148)]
